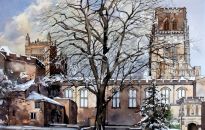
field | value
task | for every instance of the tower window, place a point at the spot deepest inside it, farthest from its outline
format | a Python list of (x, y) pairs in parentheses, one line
[(166, 25), (174, 25)]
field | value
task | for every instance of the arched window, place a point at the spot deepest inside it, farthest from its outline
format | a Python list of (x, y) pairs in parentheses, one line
[(132, 98), (165, 95), (116, 100), (68, 93), (83, 98), (166, 24), (174, 24), (147, 93), (181, 93)]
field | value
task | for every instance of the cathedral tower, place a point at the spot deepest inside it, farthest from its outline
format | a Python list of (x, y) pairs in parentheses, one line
[(170, 47)]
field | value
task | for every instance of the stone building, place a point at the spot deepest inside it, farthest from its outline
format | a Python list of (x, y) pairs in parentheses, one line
[(170, 67), (18, 66), (33, 110), (170, 45), (124, 107), (46, 51), (191, 113)]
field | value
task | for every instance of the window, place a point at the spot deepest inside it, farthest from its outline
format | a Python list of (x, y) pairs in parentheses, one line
[(165, 95), (166, 25), (68, 93), (33, 115), (83, 98), (174, 25), (181, 93), (116, 100), (132, 98), (14, 113), (37, 104), (147, 93)]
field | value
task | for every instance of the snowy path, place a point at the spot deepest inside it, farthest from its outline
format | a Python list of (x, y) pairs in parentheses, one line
[(34, 128)]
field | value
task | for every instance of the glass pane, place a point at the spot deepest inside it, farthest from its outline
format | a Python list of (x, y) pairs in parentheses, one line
[(134, 103), (134, 93), (85, 93), (113, 102), (118, 102), (183, 93), (130, 102), (81, 103), (86, 103), (66, 93)]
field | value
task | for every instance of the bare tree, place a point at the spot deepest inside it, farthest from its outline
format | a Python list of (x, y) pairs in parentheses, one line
[(104, 40)]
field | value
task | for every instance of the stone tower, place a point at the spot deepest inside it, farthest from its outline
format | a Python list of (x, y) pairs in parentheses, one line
[(45, 51), (170, 47)]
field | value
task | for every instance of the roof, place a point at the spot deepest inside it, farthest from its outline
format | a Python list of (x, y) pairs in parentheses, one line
[(24, 86), (36, 96), (5, 49)]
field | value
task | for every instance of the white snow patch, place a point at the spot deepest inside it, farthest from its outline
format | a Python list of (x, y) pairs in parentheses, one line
[(36, 96), (24, 86), (5, 49), (1, 102)]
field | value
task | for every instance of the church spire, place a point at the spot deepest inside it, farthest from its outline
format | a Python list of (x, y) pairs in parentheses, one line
[(27, 39)]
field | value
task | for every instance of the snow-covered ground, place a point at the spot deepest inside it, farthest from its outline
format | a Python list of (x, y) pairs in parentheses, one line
[(35, 128)]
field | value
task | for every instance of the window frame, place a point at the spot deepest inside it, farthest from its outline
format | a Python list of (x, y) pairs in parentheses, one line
[(166, 92), (116, 100), (33, 115), (180, 93), (83, 98), (67, 91), (37, 104), (132, 98)]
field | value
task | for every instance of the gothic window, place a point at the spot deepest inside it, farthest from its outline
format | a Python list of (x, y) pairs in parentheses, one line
[(68, 93), (83, 98), (116, 100), (132, 98), (174, 24), (147, 94), (165, 95), (166, 25), (181, 93)]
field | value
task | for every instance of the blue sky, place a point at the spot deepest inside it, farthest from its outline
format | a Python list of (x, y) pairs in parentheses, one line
[(10, 8), (17, 17)]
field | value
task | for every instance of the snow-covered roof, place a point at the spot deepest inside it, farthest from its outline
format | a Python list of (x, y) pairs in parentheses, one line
[(36, 96), (5, 49), (24, 86)]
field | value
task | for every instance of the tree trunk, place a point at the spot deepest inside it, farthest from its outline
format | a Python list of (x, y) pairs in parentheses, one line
[(101, 111)]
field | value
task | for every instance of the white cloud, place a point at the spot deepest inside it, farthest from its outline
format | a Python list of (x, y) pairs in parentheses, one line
[(26, 22)]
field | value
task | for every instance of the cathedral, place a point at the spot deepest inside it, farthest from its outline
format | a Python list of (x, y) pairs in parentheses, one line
[(170, 45), (169, 66)]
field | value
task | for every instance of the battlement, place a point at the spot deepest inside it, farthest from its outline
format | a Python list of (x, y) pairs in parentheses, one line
[(22, 58), (158, 82), (191, 100), (171, 9)]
